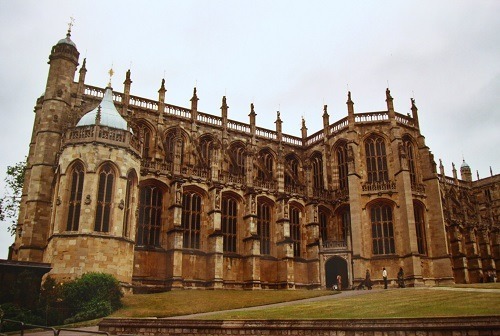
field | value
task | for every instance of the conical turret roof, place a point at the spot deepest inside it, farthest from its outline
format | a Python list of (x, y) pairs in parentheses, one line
[(106, 113)]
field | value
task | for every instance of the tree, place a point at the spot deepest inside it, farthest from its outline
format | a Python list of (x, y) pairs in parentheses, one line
[(9, 203)]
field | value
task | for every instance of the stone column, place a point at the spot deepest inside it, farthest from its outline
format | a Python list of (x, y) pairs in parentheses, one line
[(175, 235), (251, 242), (215, 260)]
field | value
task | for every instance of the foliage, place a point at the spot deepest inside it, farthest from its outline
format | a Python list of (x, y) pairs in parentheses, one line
[(9, 203), (91, 296)]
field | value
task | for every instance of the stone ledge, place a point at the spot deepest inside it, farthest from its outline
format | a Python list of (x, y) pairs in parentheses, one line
[(487, 325)]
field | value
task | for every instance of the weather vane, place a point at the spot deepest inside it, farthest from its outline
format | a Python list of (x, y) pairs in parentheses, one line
[(111, 73), (71, 24)]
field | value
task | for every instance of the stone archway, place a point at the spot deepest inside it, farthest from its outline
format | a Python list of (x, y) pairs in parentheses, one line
[(333, 267)]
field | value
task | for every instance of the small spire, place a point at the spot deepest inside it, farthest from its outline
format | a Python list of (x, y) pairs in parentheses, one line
[(84, 64), (325, 111), (349, 100), (98, 115), (491, 171), (278, 116), (388, 94), (195, 96), (304, 122), (252, 109), (413, 106), (162, 84), (477, 173)]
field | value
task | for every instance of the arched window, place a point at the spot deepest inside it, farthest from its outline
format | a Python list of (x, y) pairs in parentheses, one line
[(264, 227), (174, 144), (291, 171), (237, 159), (229, 219), (104, 199), (206, 151), (341, 152), (75, 198), (376, 159), (382, 229), (265, 166), (323, 224), (191, 219), (295, 230), (150, 212), (146, 149), (342, 223), (317, 170), (418, 211), (131, 181), (408, 145)]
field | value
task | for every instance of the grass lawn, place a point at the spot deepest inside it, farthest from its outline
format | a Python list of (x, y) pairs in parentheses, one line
[(185, 302), (407, 302)]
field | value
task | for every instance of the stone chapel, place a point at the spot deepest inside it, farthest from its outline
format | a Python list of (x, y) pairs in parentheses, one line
[(166, 197)]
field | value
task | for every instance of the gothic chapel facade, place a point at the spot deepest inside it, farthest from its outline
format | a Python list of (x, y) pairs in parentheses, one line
[(165, 197)]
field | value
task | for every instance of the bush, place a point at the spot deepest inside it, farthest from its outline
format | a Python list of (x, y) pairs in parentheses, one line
[(12, 311), (91, 296)]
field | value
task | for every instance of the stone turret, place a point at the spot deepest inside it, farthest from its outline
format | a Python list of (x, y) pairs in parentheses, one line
[(51, 117)]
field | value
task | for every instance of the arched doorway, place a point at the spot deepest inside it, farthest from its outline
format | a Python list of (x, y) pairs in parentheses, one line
[(333, 267)]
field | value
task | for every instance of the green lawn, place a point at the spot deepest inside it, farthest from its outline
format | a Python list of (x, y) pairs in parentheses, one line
[(184, 302), (408, 303)]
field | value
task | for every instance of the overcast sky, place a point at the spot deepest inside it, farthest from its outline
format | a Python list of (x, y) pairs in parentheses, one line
[(292, 56)]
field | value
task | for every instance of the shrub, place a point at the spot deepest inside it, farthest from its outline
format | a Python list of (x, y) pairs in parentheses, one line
[(91, 296)]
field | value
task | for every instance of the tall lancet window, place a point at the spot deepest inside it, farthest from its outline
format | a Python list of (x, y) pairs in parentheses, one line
[(295, 236), (382, 229), (104, 199), (317, 170), (229, 217), (264, 227), (418, 211), (408, 146), (127, 213), (191, 219), (341, 152), (376, 159), (75, 198), (150, 212)]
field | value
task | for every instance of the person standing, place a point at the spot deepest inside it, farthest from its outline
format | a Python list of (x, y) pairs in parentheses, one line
[(384, 276), (368, 280), (401, 278), (339, 282)]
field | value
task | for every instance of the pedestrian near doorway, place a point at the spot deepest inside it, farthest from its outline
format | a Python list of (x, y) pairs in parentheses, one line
[(339, 282), (401, 278), (384, 276)]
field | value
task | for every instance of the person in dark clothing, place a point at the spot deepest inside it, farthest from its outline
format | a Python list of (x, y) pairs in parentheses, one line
[(401, 278), (368, 281)]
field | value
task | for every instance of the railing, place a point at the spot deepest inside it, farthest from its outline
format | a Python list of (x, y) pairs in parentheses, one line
[(379, 186), (292, 140), (265, 133), (335, 245), (295, 189), (272, 185), (178, 111), (55, 331), (314, 138), (230, 178), (237, 126), (209, 119), (322, 193), (143, 103), (338, 126), (109, 135), (157, 166), (94, 91), (419, 188), (371, 116), (405, 120)]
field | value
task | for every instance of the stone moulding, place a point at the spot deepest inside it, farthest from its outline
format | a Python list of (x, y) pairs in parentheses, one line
[(483, 325)]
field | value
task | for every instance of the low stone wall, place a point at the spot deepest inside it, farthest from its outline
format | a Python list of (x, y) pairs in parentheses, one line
[(454, 326)]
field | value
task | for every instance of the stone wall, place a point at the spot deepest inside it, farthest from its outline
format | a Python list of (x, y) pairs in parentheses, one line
[(489, 325)]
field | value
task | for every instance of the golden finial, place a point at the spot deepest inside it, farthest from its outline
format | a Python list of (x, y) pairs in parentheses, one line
[(111, 73)]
